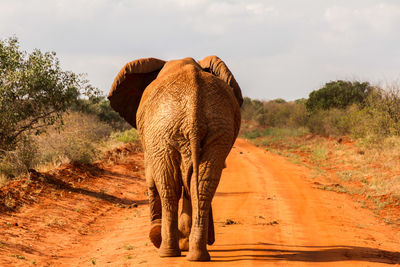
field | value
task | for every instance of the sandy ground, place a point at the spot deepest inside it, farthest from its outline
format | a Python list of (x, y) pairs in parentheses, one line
[(279, 218)]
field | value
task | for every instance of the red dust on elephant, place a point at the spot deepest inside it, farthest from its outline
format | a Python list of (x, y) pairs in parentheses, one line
[(187, 114)]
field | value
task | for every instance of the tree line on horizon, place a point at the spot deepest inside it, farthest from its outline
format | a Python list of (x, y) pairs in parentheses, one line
[(339, 108)]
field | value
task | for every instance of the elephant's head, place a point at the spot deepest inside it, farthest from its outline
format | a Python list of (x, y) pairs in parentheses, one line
[(130, 83)]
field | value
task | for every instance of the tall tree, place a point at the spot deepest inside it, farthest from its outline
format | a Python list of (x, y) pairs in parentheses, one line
[(34, 91)]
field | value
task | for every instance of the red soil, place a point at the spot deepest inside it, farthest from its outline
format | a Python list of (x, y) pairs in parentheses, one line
[(266, 211)]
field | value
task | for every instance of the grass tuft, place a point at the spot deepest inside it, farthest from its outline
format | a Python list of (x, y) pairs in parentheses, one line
[(128, 136)]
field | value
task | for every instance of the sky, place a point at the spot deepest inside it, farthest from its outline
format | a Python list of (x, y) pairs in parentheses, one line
[(275, 49)]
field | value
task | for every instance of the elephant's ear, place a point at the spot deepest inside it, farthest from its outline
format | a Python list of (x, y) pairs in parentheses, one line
[(217, 67), (129, 85)]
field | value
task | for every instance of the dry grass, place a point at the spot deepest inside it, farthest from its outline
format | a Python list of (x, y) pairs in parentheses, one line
[(78, 141), (376, 165), (81, 139), (3, 179), (365, 169)]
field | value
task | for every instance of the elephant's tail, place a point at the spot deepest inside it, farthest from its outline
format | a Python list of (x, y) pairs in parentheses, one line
[(195, 147)]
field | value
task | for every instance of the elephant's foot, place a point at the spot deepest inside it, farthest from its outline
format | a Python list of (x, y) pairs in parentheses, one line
[(184, 244), (198, 255), (169, 252), (155, 233)]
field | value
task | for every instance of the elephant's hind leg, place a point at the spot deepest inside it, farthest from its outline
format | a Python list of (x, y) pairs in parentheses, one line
[(211, 165), (185, 222), (155, 214), (169, 187), (211, 231), (169, 226)]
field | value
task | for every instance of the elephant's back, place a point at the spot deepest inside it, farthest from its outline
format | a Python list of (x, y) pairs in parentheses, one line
[(187, 100), (168, 99), (218, 107)]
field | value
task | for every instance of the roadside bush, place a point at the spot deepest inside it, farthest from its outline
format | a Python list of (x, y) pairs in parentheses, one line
[(298, 116), (18, 161), (81, 150), (332, 122), (82, 138), (253, 134), (251, 109), (34, 92), (100, 107), (128, 136), (275, 132), (285, 114), (275, 113), (27, 152), (384, 106), (379, 118), (338, 94), (77, 141)]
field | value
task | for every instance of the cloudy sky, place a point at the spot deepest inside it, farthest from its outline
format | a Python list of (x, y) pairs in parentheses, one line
[(276, 49)]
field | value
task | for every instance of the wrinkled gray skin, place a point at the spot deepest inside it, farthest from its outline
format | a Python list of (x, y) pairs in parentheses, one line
[(188, 117)]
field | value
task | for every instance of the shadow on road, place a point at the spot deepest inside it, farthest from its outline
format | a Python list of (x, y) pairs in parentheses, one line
[(230, 194), (99, 195), (273, 252)]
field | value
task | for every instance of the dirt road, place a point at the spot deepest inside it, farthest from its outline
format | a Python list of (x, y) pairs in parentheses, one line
[(267, 212)]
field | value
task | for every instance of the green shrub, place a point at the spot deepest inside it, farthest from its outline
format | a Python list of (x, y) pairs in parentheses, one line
[(27, 152), (275, 132), (298, 117), (128, 136), (251, 109), (34, 92), (338, 94), (9, 167), (332, 122), (378, 118), (339, 108), (81, 150), (100, 107), (18, 161), (252, 134), (285, 131), (275, 113)]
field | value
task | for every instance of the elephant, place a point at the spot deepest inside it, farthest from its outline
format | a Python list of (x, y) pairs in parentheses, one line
[(187, 114)]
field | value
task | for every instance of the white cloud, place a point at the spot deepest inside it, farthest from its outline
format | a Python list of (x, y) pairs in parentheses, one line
[(275, 48), (188, 3), (220, 17), (383, 18), (377, 19), (260, 9)]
